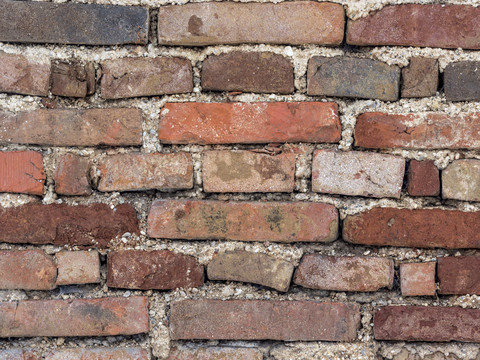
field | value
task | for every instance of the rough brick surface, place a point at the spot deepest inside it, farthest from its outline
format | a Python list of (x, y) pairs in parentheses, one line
[(22, 172), (264, 320), (357, 173), (411, 355), (417, 279), (298, 22), (461, 81), (244, 221), (423, 178), (78, 267), (215, 353), (260, 72), (98, 354), (73, 79), (71, 175), (261, 122), (420, 78), (459, 275), (461, 180), (19, 354)]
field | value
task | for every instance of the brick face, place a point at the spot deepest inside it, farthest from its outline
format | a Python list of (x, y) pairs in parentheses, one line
[(461, 180), (215, 353), (22, 172), (423, 178), (78, 267), (461, 81), (417, 279), (72, 175), (98, 354), (73, 79), (459, 275), (420, 78)]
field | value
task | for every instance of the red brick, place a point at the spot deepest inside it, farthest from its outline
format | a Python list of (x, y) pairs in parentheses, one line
[(137, 171), (71, 175), (243, 221), (264, 320), (78, 267), (251, 123), (70, 127), (297, 22), (19, 354), (459, 275), (22, 172), (157, 269), (215, 353), (438, 25), (98, 354), (73, 79), (418, 279), (61, 224), (412, 131), (424, 228), (423, 178)]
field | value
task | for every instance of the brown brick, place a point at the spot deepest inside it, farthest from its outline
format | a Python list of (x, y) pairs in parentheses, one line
[(132, 77), (423, 178), (20, 75), (69, 127), (438, 25), (22, 172), (157, 269), (260, 72), (78, 267), (251, 267), (73, 79), (462, 80), (297, 23), (424, 228), (74, 317), (19, 354), (71, 175), (344, 273), (422, 323), (263, 320), (261, 122), (137, 171), (215, 353), (27, 270), (461, 180), (413, 131), (357, 173), (243, 221), (61, 224), (418, 279), (98, 354), (420, 78), (459, 275)]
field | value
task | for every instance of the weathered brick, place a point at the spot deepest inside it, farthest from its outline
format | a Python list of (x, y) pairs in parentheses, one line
[(73, 79), (71, 175), (69, 127), (459, 275), (353, 78), (61, 224), (417, 279), (260, 72), (438, 25), (69, 23), (424, 228), (78, 267), (462, 81), (248, 171), (264, 320), (215, 353), (413, 131), (423, 178), (420, 78), (251, 267), (20, 75), (344, 273), (243, 221), (261, 122), (157, 269), (411, 355), (422, 323), (74, 317), (461, 180), (98, 354), (297, 23), (19, 354), (137, 171), (22, 172), (132, 77), (27, 270), (357, 173)]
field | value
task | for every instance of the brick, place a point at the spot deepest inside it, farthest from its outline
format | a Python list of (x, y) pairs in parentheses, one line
[(69, 23), (215, 353), (438, 25), (157, 269), (357, 173), (437, 355), (258, 72), (78, 267), (459, 275), (248, 171), (243, 221), (73, 79), (71, 175), (420, 78), (263, 320), (461, 180), (413, 131), (27, 270), (423, 178), (418, 279), (21, 75), (462, 81), (424, 228), (422, 323), (74, 317), (344, 273), (61, 224), (19, 354), (98, 354), (69, 127), (352, 78), (22, 172), (251, 267), (132, 77), (296, 23), (250, 123), (137, 171)]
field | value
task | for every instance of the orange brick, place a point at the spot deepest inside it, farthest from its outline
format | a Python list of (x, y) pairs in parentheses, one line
[(417, 279), (22, 172)]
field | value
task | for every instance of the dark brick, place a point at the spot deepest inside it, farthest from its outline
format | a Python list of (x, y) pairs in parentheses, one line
[(420, 78), (459, 275), (71, 175), (462, 81), (423, 178), (73, 79)]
